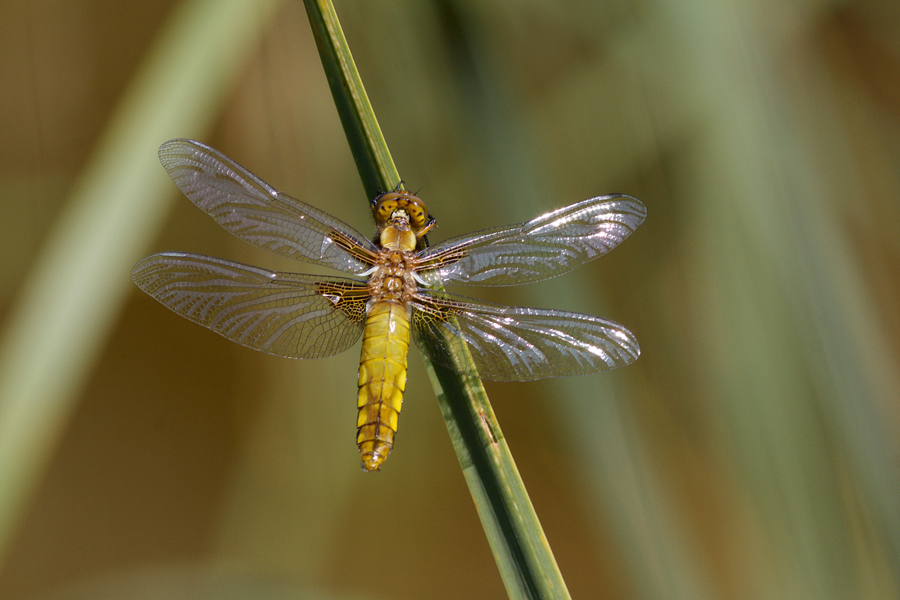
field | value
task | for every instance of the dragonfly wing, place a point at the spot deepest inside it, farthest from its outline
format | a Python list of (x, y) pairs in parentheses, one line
[(259, 214), (519, 344), (288, 314), (545, 247)]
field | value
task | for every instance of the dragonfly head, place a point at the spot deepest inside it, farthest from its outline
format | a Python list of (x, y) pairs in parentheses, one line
[(402, 219), (387, 205)]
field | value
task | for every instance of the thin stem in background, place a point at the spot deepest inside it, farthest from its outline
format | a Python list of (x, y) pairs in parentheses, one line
[(80, 280)]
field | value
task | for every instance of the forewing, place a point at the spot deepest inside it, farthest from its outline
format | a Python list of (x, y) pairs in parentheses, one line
[(519, 344), (288, 314), (259, 214), (550, 245)]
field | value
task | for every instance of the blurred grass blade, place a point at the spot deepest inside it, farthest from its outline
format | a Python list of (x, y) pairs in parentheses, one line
[(81, 277), (523, 556)]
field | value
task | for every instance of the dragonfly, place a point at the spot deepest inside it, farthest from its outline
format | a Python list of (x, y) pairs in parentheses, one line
[(392, 293)]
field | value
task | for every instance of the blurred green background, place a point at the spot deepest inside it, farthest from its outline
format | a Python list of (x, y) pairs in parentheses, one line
[(751, 452)]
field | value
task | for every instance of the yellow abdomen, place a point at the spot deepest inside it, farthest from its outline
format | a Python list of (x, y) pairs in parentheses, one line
[(382, 379)]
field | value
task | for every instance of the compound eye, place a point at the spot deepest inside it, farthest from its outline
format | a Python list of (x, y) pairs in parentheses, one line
[(418, 214), (385, 205)]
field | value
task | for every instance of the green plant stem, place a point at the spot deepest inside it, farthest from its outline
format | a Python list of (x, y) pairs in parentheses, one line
[(523, 555), (373, 159)]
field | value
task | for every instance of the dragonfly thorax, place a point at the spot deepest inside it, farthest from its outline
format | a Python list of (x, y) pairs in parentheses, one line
[(393, 276)]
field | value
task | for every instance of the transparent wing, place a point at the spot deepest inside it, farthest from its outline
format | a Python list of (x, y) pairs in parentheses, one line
[(259, 214), (292, 315), (545, 247), (519, 344)]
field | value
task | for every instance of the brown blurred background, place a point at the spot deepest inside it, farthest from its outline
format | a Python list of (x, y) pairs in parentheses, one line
[(751, 452)]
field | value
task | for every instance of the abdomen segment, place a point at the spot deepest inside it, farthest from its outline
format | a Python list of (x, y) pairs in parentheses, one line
[(382, 379)]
